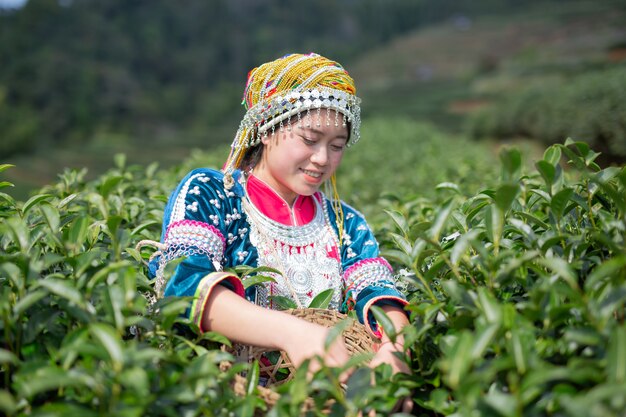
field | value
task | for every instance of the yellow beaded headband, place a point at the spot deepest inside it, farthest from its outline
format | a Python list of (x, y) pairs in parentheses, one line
[(286, 88)]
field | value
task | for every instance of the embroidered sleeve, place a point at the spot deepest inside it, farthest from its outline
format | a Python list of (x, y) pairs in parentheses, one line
[(368, 278), (196, 220)]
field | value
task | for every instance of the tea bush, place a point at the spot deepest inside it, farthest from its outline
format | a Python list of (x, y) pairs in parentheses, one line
[(516, 285), (589, 107)]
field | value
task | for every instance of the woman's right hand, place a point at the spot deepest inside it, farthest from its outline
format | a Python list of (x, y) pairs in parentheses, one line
[(307, 341)]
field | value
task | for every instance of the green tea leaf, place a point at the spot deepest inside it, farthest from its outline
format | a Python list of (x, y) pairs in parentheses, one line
[(552, 155), (322, 300), (399, 220), (547, 171), (562, 269), (4, 167), (505, 195), (511, 160), (7, 356), (282, 302), (253, 378), (483, 340), (440, 220), (8, 405), (63, 289), (606, 270), (385, 322), (489, 306), (559, 201), (34, 200), (256, 280), (111, 342), (616, 358), (109, 184), (27, 301)]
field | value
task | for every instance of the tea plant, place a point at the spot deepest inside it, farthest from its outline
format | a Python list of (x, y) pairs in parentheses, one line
[(516, 286), (517, 293)]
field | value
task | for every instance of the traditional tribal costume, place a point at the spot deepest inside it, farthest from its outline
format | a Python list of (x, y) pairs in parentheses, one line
[(218, 220)]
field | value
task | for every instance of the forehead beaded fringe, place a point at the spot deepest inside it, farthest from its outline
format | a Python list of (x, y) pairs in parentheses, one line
[(286, 88)]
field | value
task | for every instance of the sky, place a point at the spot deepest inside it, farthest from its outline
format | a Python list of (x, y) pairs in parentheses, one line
[(6, 4)]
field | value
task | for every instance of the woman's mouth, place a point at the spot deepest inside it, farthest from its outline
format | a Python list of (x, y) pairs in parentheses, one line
[(313, 174)]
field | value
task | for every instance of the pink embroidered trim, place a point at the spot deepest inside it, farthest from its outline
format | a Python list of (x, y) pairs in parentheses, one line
[(370, 261), (204, 289), (190, 237), (194, 226)]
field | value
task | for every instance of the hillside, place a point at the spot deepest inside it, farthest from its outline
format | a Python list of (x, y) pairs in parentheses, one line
[(441, 71), (439, 74)]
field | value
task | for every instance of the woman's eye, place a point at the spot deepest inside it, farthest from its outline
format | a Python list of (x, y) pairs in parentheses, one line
[(308, 141), (337, 148)]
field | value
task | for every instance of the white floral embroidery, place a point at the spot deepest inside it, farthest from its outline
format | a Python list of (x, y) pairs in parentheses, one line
[(193, 206), (215, 218), (195, 190), (232, 217), (369, 243), (220, 195), (204, 179), (347, 239), (351, 253), (231, 238), (215, 202), (241, 255), (229, 193), (349, 216), (242, 232), (362, 227)]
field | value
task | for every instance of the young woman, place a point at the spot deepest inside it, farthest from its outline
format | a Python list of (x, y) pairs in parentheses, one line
[(265, 208)]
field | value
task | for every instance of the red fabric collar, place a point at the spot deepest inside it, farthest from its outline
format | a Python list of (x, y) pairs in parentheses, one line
[(276, 208)]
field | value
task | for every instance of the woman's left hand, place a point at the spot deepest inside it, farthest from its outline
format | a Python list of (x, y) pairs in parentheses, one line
[(390, 353)]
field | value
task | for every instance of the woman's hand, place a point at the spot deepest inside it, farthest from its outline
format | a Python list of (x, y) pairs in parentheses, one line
[(390, 353), (309, 342)]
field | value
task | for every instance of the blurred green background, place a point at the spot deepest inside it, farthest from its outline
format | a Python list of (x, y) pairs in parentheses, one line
[(83, 80)]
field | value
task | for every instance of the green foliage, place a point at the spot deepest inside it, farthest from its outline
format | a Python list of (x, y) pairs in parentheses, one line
[(589, 107), (516, 286), (519, 309)]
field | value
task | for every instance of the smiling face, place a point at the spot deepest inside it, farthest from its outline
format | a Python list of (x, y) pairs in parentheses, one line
[(299, 160)]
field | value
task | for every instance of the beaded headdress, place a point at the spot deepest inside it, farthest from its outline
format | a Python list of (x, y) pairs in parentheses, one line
[(286, 88)]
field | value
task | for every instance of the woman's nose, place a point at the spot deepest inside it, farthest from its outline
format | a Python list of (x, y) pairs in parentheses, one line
[(320, 156)]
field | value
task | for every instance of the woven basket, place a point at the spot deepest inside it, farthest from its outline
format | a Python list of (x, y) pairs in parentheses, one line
[(356, 338)]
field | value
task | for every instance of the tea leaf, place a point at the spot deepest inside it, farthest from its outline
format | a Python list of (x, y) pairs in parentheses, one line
[(559, 201), (385, 322), (282, 302), (616, 360), (399, 220), (511, 160), (34, 201), (323, 299), (547, 171), (483, 340), (505, 195), (552, 154), (8, 405), (7, 356), (111, 342), (256, 280), (109, 183), (4, 167), (63, 289), (440, 220), (562, 269), (253, 378)]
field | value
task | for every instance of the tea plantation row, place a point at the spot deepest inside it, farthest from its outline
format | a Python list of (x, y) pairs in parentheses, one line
[(516, 277)]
